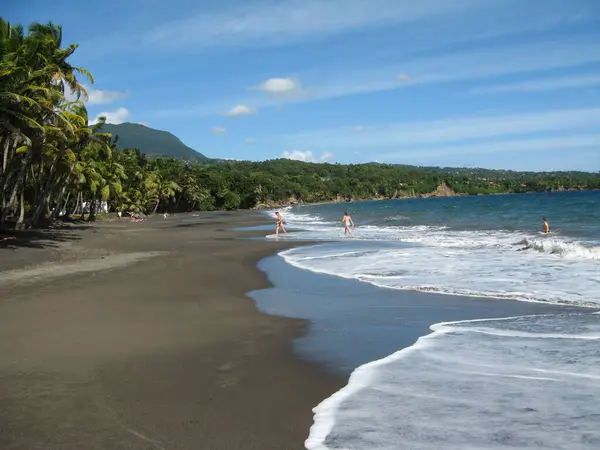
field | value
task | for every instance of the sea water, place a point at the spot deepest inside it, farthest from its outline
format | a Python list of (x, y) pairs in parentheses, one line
[(529, 382)]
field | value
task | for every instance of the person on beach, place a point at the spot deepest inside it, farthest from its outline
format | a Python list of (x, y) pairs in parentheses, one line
[(546, 225), (279, 224), (347, 221)]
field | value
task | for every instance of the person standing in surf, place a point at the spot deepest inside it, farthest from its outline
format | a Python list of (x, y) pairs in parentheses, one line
[(347, 221), (546, 225), (279, 224)]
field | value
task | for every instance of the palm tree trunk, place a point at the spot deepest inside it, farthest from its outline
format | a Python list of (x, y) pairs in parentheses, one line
[(59, 200), (156, 206), (179, 198), (82, 209), (92, 214), (5, 156), (37, 183), (20, 177), (21, 220), (5, 204), (4, 188), (77, 203), (66, 202), (44, 198)]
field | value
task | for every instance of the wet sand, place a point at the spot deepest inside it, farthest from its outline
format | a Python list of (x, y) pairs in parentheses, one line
[(140, 336)]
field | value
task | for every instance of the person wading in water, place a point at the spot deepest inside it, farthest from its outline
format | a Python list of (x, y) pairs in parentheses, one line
[(279, 224), (347, 221), (546, 225)]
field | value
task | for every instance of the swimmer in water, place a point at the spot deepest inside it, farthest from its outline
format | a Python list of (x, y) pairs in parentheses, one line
[(347, 221), (546, 225), (279, 224)]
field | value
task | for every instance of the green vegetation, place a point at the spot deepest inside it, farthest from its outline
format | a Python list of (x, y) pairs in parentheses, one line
[(154, 142), (54, 164)]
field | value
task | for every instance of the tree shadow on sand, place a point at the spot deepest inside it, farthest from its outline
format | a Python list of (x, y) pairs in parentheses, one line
[(39, 239)]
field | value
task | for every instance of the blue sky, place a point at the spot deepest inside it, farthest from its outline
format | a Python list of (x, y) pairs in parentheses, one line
[(489, 83)]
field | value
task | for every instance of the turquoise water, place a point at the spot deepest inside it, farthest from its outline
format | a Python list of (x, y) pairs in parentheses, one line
[(526, 382)]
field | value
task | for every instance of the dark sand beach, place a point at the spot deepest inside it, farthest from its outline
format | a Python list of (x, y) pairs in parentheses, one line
[(139, 336)]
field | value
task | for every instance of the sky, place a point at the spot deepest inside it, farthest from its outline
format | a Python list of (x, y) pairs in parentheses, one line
[(502, 84)]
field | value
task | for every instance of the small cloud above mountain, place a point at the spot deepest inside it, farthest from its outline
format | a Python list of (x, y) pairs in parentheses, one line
[(240, 110), (116, 117), (307, 156), (280, 86)]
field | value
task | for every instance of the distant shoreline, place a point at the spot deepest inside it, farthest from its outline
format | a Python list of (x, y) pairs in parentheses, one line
[(423, 196), (112, 216)]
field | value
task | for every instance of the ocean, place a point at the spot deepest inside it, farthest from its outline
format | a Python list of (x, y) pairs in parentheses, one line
[(527, 381)]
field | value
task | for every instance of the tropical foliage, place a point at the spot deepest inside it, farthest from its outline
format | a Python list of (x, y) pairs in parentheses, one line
[(54, 163)]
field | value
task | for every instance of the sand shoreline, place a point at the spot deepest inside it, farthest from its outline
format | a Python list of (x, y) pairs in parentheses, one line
[(140, 336)]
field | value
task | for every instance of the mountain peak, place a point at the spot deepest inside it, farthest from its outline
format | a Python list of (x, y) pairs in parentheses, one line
[(151, 141)]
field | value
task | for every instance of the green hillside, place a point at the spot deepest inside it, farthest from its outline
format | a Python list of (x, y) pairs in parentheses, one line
[(493, 174), (151, 141)]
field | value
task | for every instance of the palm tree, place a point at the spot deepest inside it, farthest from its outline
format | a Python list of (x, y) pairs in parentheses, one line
[(160, 188), (40, 132)]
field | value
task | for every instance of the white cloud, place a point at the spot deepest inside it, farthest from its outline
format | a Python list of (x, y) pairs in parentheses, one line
[(545, 84), (451, 67), (298, 155), (249, 141), (508, 60), (280, 86), (218, 130), (240, 110), (99, 97), (519, 145), (306, 156), (96, 96), (116, 117), (327, 156), (403, 77), (419, 26), (280, 23), (461, 66), (479, 127)]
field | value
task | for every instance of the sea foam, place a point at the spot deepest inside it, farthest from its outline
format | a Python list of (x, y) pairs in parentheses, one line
[(487, 263), (523, 382)]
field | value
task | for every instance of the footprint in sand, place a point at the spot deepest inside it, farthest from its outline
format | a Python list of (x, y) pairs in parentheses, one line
[(227, 378)]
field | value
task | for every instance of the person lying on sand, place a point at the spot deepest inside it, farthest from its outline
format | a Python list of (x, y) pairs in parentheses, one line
[(8, 238), (279, 224)]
